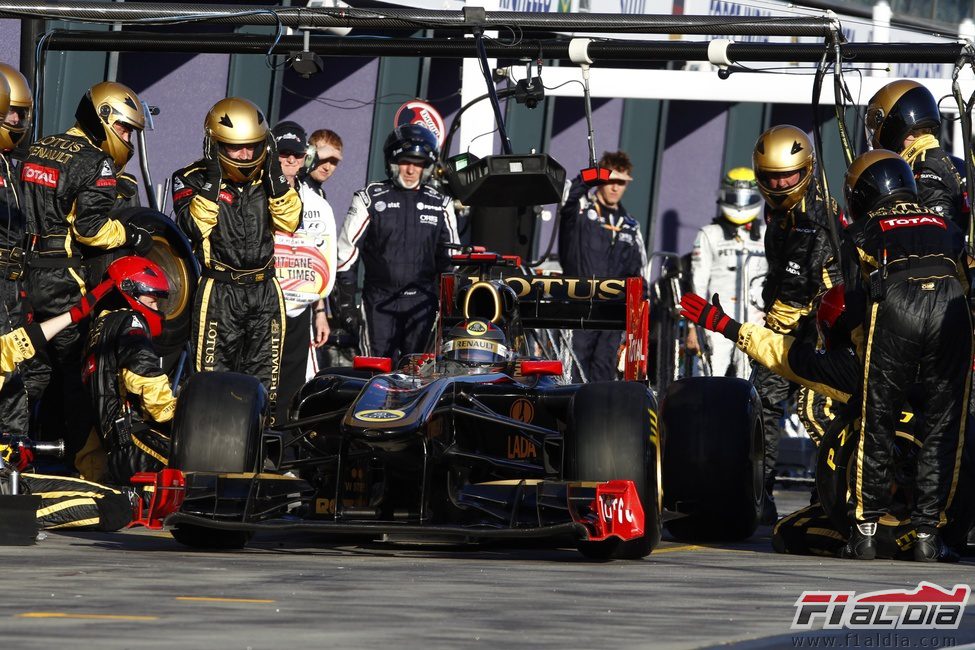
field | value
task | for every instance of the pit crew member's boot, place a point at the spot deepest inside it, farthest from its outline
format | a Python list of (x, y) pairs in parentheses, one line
[(929, 547), (862, 545)]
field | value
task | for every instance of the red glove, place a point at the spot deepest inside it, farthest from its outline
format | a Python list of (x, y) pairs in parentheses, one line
[(87, 303), (707, 315)]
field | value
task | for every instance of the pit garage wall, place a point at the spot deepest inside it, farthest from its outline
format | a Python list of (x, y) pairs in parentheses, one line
[(676, 174)]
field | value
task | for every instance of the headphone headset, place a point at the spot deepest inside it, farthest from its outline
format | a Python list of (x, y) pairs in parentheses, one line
[(311, 157)]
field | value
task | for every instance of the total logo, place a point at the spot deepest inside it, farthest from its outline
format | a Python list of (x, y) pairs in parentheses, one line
[(380, 415), (912, 222), (40, 175)]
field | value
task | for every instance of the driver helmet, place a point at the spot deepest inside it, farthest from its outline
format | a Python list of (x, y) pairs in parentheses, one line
[(739, 198), (476, 343), (137, 276)]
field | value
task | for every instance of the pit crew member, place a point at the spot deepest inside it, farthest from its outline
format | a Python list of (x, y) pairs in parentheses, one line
[(229, 203), (913, 265), (14, 410), (835, 371), (69, 186), (903, 117), (65, 502), (800, 264), (398, 227), (123, 375), (599, 238)]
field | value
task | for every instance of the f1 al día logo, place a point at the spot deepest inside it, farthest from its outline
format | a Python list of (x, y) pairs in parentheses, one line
[(929, 607)]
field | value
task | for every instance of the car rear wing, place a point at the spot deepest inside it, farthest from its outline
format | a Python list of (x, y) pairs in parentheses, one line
[(555, 302)]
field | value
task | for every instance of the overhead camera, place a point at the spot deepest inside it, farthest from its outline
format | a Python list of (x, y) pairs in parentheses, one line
[(306, 63), (529, 91)]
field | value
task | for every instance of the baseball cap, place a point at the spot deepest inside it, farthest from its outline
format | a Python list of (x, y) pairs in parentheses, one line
[(290, 137)]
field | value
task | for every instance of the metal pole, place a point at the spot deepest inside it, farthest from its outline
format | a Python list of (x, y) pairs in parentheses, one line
[(601, 52), (30, 30), (408, 19)]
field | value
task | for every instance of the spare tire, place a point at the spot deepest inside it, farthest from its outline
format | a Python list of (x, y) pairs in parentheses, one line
[(611, 435), (173, 252), (713, 458)]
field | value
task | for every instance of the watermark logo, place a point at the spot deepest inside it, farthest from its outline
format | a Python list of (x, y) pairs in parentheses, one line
[(928, 607)]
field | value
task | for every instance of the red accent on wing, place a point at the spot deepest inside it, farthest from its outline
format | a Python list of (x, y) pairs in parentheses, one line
[(106, 182), (618, 512), (382, 364), (183, 193), (637, 341), (168, 492), (542, 368)]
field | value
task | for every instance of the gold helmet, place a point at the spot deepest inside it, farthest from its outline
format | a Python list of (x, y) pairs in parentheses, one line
[(238, 121), (783, 148), (897, 109), (21, 103), (104, 106), (875, 179)]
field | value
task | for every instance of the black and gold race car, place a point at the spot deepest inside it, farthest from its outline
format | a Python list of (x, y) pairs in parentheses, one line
[(481, 439)]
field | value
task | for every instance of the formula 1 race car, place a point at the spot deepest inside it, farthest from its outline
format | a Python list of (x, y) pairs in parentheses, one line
[(460, 445)]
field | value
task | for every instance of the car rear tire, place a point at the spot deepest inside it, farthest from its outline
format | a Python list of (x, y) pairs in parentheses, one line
[(713, 458), (611, 435), (218, 428)]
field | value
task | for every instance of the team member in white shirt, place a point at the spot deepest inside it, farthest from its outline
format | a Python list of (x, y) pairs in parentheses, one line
[(305, 266), (729, 260)]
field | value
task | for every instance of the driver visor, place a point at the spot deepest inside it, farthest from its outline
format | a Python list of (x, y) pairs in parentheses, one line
[(742, 198)]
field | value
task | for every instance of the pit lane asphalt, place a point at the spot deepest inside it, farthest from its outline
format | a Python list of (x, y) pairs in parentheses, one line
[(140, 589)]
